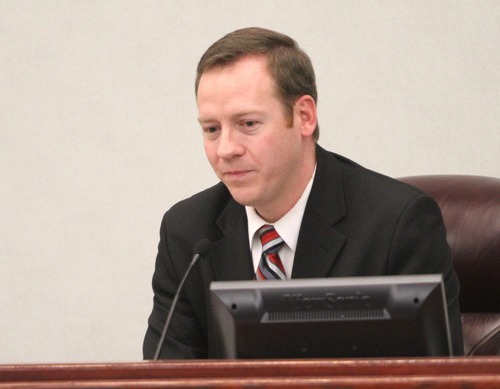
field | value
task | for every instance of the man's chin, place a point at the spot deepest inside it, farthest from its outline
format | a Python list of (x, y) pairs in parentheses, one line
[(242, 196)]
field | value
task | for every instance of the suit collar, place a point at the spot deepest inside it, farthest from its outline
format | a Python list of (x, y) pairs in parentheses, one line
[(230, 256), (319, 243)]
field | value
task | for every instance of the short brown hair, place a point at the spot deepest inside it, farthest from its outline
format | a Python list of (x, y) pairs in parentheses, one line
[(289, 66)]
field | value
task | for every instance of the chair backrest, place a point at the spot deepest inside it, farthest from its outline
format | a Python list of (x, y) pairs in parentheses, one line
[(471, 211)]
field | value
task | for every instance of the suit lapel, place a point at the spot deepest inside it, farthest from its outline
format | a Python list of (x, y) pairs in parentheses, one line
[(230, 256), (319, 243)]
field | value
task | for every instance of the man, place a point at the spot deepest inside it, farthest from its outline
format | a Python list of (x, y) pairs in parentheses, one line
[(256, 98)]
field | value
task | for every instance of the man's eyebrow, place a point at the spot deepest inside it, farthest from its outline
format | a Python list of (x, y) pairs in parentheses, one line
[(237, 115), (206, 119), (246, 113)]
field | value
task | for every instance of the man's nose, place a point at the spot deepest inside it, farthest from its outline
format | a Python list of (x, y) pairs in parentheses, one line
[(230, 144)]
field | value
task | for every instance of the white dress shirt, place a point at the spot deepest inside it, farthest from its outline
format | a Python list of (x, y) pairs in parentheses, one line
[(287, 227)]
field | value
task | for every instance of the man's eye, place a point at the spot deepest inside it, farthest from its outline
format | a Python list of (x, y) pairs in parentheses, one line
[(211, 130), (249, 124)]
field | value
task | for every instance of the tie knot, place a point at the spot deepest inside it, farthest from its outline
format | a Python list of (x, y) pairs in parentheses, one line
[(271, 241)]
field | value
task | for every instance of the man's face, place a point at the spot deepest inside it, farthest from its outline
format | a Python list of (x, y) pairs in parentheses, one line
[(249, 141)]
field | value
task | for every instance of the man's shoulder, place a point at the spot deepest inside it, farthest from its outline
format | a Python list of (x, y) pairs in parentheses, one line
[(210, 201), (365, 185)]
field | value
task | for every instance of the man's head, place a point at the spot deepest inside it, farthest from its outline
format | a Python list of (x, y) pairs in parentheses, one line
[(288, 65), (261, 148)]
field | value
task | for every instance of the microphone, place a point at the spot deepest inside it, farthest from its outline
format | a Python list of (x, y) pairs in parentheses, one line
[(200, 250)]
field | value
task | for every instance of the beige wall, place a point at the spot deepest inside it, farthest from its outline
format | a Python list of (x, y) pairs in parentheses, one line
[(98, 136)]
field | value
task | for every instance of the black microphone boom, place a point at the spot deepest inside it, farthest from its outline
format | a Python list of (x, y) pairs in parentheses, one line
[(200, 250)]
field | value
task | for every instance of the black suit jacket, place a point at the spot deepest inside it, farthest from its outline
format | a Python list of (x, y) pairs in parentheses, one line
[(356, 223)]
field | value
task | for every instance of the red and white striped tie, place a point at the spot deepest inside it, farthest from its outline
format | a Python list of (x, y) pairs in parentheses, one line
[(270, 266)]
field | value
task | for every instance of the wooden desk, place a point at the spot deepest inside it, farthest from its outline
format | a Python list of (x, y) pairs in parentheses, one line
[(470, 372)]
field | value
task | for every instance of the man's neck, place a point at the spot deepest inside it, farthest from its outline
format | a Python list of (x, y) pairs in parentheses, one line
[(274, 212)]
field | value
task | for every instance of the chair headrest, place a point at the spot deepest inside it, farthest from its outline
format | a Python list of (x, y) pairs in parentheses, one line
[(471, 210)]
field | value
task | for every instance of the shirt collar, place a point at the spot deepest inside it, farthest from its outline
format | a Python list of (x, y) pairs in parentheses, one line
[(288, 226)]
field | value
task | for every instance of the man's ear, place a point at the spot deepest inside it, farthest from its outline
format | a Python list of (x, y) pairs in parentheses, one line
[(306, 114)]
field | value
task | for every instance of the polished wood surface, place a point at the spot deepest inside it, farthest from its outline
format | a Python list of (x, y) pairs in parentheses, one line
[(470, 372)]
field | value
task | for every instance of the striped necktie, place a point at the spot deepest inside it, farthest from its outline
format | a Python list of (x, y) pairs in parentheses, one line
[(270, 266)]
